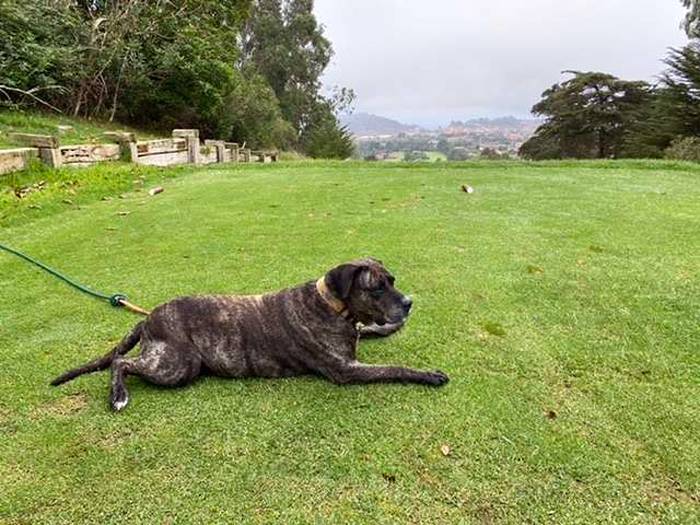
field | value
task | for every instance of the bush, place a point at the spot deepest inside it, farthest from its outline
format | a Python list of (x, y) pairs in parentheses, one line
[(459, 153), (328, 140), (684, 148)]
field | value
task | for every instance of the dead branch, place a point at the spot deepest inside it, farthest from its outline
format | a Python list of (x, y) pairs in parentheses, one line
[(30, 93)]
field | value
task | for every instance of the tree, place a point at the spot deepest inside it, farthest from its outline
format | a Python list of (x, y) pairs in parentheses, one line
[(247, 70), (39, 62), (681, 88), (587, 116), (692, 19), (285, 44), (674, 111), (283, 41)]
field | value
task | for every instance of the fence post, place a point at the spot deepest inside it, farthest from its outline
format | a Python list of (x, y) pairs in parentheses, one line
[(127, 144), (51, 157), (233, 146), (49, 148), (192, 138), (246, 154), (220, 149)]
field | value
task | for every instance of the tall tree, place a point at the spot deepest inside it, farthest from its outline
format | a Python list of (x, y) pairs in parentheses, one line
[(587, 116), (674, 111), (284, 43), (681, 83), (692, 19), (287, 46)]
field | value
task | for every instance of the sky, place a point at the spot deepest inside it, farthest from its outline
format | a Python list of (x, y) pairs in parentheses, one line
[(430, 62)]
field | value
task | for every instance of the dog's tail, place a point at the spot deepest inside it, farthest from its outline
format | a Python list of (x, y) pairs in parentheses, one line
[(101, 363)]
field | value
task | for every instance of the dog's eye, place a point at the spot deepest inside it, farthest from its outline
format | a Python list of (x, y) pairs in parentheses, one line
[(377, 292)]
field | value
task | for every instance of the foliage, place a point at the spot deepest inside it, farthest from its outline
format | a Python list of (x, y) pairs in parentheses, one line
[(681, 83), (492, 154), (39, 58), (458, 153), (239, 69), (325, 139), (415, 156), (285, 44), (587, 116), (254, 114), (674, 110), (684, 148), (692, 19)]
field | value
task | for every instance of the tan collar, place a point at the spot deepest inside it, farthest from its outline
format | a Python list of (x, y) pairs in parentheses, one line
[(336, 304)]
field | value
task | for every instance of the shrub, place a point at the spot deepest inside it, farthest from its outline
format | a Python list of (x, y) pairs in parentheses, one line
[(684, 148)]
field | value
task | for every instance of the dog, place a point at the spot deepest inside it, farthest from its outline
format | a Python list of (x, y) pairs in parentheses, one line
[(313, 328)]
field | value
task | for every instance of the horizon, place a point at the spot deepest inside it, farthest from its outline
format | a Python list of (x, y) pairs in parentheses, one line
[(443, 125)]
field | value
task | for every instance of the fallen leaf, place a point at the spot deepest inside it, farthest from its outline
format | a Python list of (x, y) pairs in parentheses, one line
[(494, 328), (446, 450), (123, 213), (156, 190)]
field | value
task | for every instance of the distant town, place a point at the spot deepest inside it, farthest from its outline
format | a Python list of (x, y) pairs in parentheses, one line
[(382, 139)]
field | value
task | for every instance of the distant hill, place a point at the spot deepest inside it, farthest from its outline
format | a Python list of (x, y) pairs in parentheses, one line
[(366, 124), (496, 123)]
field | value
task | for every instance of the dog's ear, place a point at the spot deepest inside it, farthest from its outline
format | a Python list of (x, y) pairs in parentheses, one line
[(341, 278)]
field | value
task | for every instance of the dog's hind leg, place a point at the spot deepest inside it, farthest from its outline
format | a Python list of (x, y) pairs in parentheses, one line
[(164, 364)]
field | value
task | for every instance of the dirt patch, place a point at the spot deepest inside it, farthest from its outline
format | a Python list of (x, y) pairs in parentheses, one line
[(63, 406), (665, 490), (409, 202), (115, 439)]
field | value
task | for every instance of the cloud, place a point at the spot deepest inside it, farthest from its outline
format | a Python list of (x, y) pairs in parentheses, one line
[(428, 62)]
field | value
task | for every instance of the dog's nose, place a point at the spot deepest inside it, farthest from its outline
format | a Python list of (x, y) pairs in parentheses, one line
[(407, 302)]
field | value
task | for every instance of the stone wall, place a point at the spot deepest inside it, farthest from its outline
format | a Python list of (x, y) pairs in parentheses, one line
[(183, 148)]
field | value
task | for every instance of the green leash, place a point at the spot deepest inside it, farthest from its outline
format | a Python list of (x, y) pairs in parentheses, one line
[(118, 300)]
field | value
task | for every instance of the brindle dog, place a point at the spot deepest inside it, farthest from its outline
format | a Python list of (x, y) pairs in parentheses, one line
[(310, 329)]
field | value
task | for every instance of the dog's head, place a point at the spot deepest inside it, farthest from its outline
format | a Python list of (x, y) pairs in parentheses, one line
[(367, 290)]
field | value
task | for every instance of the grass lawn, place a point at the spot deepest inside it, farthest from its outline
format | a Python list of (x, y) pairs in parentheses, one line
[(562, 299), (84, 131)]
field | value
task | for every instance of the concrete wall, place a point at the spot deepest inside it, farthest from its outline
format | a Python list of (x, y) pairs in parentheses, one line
[(16, 159), (87, 154), (162, 152), (183, 148)]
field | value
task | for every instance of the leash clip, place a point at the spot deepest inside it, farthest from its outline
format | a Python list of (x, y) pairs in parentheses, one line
[(117, 300)]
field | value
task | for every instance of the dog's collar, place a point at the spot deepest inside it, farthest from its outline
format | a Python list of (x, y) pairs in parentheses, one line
[(331, 300)]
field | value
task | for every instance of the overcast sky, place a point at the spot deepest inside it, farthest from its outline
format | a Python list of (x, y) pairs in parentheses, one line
[(427, 62)]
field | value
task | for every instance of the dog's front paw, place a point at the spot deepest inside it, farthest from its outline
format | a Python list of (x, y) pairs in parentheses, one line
[(437, 378)]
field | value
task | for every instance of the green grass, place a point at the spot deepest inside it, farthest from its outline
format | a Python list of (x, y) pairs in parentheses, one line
[(84, 131), (40, 191), (435, 156), (562, 298)]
